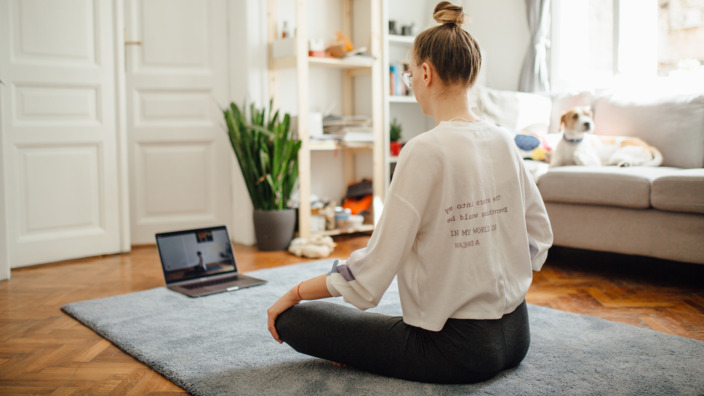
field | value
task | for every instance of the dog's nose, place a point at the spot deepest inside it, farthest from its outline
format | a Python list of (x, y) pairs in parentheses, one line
[(587, 125)]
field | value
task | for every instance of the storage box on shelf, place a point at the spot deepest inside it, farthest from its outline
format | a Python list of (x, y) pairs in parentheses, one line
[(350, 69)]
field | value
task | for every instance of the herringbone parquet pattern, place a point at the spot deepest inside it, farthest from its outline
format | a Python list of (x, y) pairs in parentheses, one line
[(660, 295), (43, 351)]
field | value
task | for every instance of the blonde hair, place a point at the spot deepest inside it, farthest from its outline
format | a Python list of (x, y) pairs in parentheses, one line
[(448, 47)]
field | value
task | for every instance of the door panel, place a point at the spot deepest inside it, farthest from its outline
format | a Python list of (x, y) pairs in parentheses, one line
[(70, 176), (180, 39), (59, 135), (181, 191), (59, 108), (176, 80)]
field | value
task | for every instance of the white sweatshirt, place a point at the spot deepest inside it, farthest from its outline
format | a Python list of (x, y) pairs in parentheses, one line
[(463, 227)]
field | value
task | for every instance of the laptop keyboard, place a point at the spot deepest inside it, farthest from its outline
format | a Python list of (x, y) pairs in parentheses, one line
[(210, 283)]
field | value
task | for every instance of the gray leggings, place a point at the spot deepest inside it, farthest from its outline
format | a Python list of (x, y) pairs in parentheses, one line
[(464, 351)]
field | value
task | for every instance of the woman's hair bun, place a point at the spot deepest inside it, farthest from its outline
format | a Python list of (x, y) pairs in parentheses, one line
[(448, 13)]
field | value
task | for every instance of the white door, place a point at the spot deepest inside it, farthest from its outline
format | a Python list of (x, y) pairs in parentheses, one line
[(58, 143), (180, 156)]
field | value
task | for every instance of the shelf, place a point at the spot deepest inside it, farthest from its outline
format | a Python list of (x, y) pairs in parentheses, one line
[(397, 52), (363, 65), (395, 38), (323, 145), (402, 99), (331, 145), (336, 63), (368, 15)]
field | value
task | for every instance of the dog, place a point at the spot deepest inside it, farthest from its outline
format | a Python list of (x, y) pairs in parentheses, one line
[(576, 146), (579, 146)]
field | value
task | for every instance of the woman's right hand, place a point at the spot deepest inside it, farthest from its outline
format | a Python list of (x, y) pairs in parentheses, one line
[(282, 304)]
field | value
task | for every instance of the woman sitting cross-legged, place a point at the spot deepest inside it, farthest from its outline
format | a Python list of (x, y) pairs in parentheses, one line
[(462, 229)]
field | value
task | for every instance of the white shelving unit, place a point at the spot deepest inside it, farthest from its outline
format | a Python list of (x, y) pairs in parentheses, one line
[(397, 48), (350, 70), (401, 99), (394, 38)]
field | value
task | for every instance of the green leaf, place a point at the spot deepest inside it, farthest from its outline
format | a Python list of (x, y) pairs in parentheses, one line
[(266, 152)]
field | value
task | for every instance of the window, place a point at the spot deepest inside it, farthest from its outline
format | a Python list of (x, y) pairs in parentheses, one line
[(680, 37), (582, 43), (599, 43)]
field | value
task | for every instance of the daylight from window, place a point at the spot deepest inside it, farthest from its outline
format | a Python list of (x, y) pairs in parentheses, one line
[(680, 37), (599, 43)]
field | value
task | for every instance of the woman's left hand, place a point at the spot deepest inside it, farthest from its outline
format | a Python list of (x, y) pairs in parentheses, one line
[(282, 304)]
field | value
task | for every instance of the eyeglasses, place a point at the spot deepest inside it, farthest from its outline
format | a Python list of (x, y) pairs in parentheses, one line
[(408, 77)]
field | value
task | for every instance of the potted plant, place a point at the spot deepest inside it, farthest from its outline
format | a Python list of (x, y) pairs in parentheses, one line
[(267, 153), (394, 137)]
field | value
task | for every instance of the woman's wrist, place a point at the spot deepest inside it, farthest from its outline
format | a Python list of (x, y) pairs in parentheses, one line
[(295, 293), (311, 289)]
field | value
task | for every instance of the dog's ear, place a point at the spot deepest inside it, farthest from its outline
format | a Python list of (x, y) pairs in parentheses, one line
[(563, 120)]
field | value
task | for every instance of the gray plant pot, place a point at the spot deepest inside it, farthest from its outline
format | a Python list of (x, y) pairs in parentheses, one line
[(274, 228)]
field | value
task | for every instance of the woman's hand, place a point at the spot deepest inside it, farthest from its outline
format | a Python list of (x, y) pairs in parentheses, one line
[(282, 304), (313, 289)]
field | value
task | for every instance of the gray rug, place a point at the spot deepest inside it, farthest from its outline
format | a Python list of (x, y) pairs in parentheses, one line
[(219, 345)]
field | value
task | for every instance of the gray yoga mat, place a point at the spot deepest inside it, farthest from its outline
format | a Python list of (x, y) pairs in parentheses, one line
[(219, 345)]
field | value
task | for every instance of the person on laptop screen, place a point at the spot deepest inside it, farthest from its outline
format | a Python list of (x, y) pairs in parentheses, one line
[(201, 262), (462, 229)]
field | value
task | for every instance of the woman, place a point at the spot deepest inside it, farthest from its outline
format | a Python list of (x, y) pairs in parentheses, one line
[(463, 228)]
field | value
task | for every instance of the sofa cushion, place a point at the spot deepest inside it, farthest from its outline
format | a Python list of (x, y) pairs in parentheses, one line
[(536, 168), (673, 124), (603, 185), (682, 191), (515, 110)]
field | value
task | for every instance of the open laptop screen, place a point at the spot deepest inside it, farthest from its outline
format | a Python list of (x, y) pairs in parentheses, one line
[(195, 253)]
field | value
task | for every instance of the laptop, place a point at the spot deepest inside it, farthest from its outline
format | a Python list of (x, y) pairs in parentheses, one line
[(200, 262)]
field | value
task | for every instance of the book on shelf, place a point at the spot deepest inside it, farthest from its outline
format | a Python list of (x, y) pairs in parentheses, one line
[(343, 129), (397, 86), (358, 135), (337, 124), (351, 137)]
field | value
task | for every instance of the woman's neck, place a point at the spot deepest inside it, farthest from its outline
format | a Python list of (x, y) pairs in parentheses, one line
[(453, 106)]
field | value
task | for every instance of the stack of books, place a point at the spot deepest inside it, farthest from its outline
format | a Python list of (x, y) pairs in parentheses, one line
[(348, 128)]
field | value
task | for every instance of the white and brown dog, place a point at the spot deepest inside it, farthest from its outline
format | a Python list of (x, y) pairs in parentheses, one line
[(579, 146)]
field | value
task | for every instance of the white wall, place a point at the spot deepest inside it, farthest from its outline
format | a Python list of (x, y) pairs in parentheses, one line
[(499, 26), (501, 29), (248, 81)]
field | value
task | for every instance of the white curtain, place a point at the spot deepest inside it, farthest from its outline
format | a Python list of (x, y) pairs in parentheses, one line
[(534, 73)]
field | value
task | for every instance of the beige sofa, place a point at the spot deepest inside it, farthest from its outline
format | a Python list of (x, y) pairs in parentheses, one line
[(656, 212)]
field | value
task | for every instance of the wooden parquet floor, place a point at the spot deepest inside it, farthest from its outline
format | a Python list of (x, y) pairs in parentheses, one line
[(44, 351)]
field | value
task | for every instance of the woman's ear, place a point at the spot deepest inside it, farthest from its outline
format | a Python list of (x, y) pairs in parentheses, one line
[(428, 72)]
